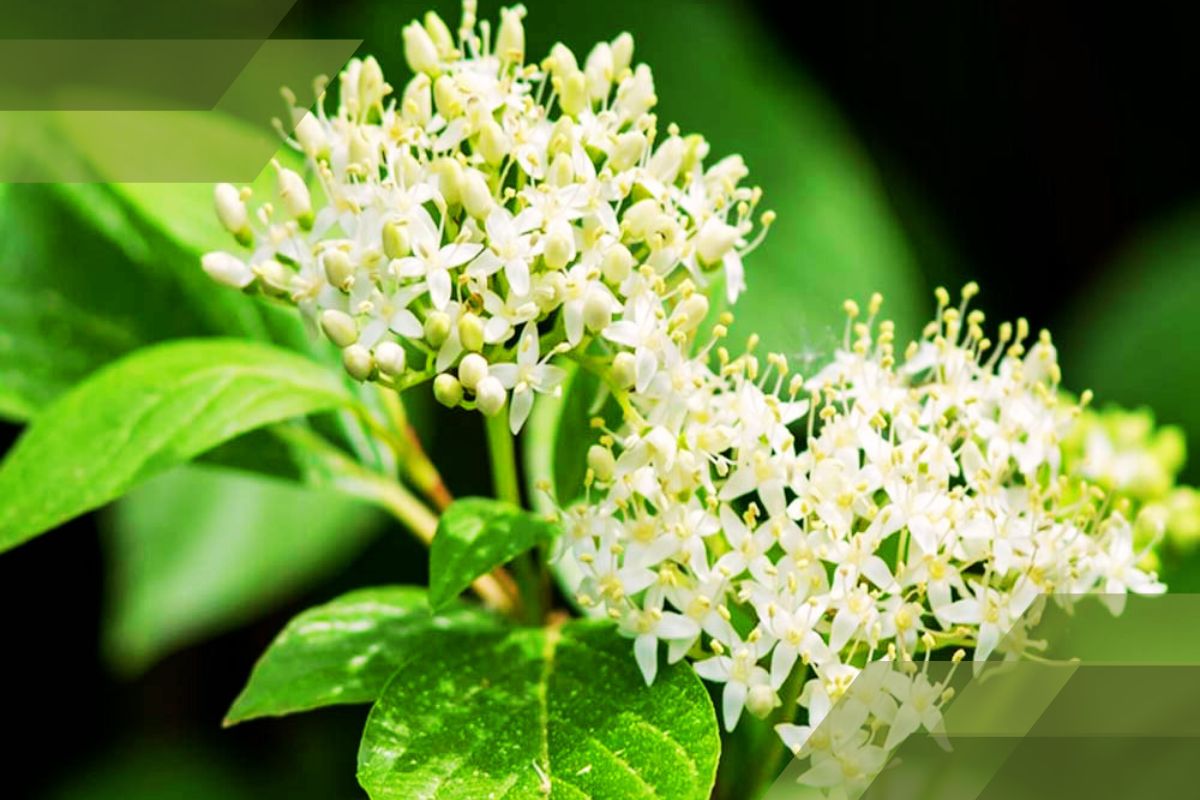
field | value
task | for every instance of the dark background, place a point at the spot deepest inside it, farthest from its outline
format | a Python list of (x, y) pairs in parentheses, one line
[(1019, 143)]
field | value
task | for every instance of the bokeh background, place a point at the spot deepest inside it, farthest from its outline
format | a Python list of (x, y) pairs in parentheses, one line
[(1048, 151)]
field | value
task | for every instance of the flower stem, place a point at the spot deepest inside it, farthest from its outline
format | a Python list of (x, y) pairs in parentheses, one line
[(526, 568), (417, 467)]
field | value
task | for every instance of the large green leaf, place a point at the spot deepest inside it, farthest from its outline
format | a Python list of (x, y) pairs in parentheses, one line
[(562, 712), (150, 411), (199, 550), (70, 301), (346, 650), (474, 535)]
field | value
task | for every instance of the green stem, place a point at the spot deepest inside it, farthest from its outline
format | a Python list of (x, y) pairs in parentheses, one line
[(769, 765), (526, 568), (504, 459)]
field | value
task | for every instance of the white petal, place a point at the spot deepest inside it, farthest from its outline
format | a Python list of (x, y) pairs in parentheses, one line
[(439, 288), (453, 255), (732, 701), (517, 272), (645, 649), (518, 412)]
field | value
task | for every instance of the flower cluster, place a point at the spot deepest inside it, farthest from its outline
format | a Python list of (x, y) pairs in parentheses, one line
[(495, 214), (775, 528), (1138, 464)]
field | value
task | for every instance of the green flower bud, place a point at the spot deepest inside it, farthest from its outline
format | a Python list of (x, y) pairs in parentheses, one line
[(396, 243), (294, 193), (628, 151), (470, 332), (339, 270), (437, 328), (447, 390), (358, 362), (561, 173), (231, 210), (447, 97), (419, 49), (274, 275), (602, 463), (560, 246), (340, 327), (510, 39), (439, 34), (493, 142), (617, 264), (622, 53), (450, 173), (417, 103), (624, 369), (476, 194), (573, 96), (597, 310)]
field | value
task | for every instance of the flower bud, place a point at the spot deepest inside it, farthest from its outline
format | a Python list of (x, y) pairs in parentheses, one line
[(417, 104), (641, 218), (439, 33), (227, 269), (470, 331), (371, 86), (601, 461), (471, 370), (339, 327), (396, 243), (493, 142), (572, 96), (761, 700), (635, 95), (562, 138), (560, 246), (476, 194), (419, 49), (599, 71), (510, 40), (391, 358), (561, 173), (447, 390), (358, 362), (624, 369), (437, 328), (451, 179), (622, 53), (690, 313), (294, 193), (617, 264), (628, 151), (490, 396), (714, 240), (597, 310), (339, 270), (561, 61), (231, 210), (447, 97), (310, 135), (667, 160)]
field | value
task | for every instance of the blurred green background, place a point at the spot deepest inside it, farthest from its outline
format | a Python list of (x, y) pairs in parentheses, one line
[(1046, 152)]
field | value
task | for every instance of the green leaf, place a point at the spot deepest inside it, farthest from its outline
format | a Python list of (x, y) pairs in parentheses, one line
[(562, 712), (196, 551), (70, 301), (474, 535), (150, 411), (346, 650)]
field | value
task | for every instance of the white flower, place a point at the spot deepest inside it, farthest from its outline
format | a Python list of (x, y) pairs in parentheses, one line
[(527, 376)]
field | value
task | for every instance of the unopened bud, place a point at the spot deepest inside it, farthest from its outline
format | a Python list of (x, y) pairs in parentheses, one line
[(601, 461), (622, 53), (617, 263), (447, 390), (437, 328), (471, 370), (470, 332), (294, 193), (419, 49), (476, 194), (561, 61), (628, 151), (439, 33), (560, 246), (391, 358), (490, 396), (510, 40), (624, 369), (339, 270), (273, 274), (339, 327), (310, 135), (493, 142), (417, 103), (761, 700), (714, 240), (573, 96), (358, 362), (451, 174), (562, 173), (227, 269), (396, 242), (447, 97), (231, 210), (597, 310), (599, 71)]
